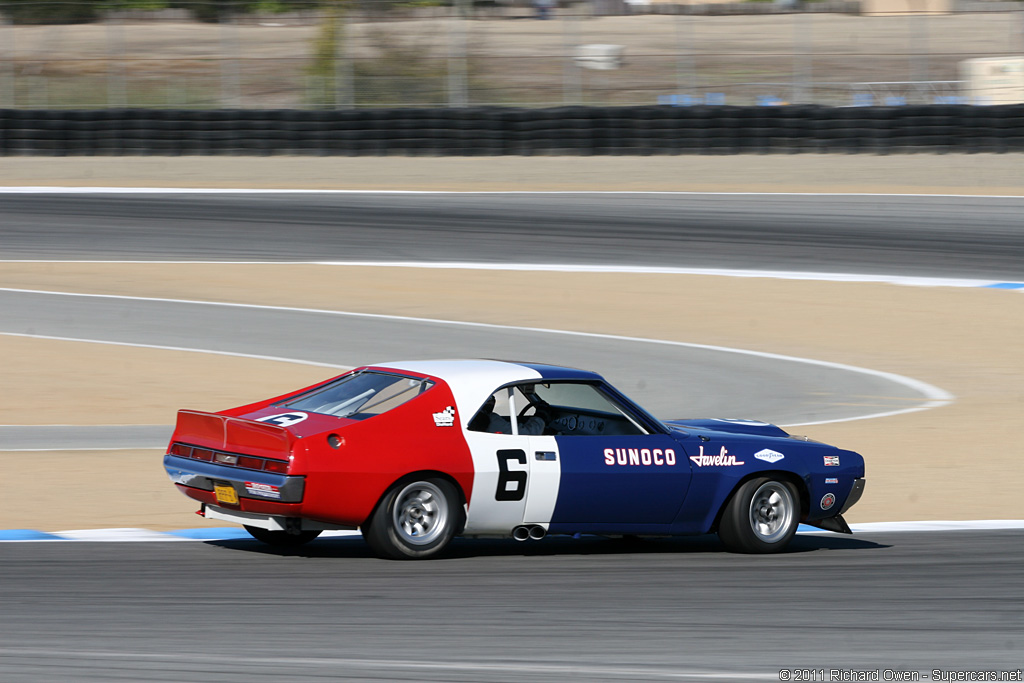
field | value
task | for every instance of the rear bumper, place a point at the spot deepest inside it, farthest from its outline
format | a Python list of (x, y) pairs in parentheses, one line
[(836, 522), (855, 493), (269, 522), (248, 484)]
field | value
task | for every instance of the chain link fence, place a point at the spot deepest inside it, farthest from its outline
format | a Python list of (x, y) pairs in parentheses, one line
[(349, 54)]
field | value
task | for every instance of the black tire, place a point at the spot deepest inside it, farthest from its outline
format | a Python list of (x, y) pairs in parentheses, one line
[(415, 519), (761, 517), (282, 539)]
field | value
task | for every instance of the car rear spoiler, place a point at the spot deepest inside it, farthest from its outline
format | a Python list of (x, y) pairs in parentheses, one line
[(233, 434)]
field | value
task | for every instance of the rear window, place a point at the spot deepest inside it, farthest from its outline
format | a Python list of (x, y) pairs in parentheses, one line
[(361, 395)]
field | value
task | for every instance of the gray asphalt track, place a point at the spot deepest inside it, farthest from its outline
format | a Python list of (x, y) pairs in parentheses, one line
[(670, 381), (591, 609), (951, 237)]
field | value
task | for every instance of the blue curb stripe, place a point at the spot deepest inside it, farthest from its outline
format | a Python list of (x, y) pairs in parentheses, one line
[(27, 535), (1005, 285), (217, 534), (234, 533)]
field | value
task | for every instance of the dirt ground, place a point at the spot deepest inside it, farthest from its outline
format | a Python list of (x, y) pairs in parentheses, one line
[(955, 462), (912, 173)]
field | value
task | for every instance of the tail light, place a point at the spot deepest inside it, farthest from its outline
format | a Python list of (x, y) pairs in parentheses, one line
[(276, 466), (246, 462)]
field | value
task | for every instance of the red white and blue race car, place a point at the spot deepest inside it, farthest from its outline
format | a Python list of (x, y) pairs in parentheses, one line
[(415, 453)]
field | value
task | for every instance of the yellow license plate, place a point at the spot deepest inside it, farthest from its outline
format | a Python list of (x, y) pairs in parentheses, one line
[(225, 494)]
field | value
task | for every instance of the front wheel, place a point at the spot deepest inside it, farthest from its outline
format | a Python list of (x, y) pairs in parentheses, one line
[(761, 517), (282, 539), (414, 520)]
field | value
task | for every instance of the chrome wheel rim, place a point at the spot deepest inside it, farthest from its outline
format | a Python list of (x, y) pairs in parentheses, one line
[(771, 512), (420, 514)]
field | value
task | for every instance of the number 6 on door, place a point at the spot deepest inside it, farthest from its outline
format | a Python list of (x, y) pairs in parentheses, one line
[(517, 478)]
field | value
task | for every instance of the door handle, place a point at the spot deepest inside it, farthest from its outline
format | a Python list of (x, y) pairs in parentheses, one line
[(545, 455)]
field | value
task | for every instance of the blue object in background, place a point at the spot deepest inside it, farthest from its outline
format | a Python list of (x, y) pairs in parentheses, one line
[(678, 100)]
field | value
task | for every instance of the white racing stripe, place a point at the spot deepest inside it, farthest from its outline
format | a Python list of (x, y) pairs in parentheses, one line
[(934, 397)]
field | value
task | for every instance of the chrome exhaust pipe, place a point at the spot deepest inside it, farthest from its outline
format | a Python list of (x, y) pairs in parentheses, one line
[(521, 533), (537, 532)]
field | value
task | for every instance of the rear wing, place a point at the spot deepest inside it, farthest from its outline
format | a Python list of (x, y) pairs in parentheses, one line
[(233, 434)]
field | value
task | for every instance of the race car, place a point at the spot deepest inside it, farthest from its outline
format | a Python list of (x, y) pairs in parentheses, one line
[(415, 453)]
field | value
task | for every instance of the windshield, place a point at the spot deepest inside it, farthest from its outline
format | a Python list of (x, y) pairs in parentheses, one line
[(361, 395)]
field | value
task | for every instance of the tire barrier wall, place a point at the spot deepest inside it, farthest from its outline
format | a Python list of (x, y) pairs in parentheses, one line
[(496, 131)]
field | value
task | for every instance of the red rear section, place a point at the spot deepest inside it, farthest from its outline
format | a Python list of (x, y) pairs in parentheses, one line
[(348, 465), (343, 484), (220, 432)]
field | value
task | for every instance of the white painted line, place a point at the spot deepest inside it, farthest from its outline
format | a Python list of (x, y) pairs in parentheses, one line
[(554, 670), (934, 396), (118, 535), (277, 359), (971, 525), (63, 424), (58, 189), (809, 276), (206, 534), (61, 450), (667, 270), (135, 535)]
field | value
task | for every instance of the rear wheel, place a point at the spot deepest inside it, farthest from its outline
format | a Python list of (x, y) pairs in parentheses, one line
[(282, 539), (761, 517), (414, 520)]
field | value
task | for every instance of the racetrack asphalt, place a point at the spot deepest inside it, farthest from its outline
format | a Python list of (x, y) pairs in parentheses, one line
[(905, 235), (559, 609)]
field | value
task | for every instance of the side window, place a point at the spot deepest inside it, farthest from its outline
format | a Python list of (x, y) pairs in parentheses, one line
[(579, 409), (494, 414), (555, 408), (508, 411)]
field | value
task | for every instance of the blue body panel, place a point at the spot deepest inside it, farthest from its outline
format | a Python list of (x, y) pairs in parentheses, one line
[(621, 484), (687, 498), (714, 483), (754, 427), (615, 484)]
